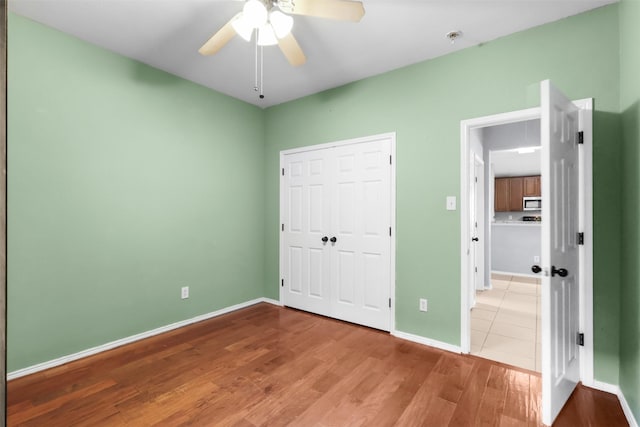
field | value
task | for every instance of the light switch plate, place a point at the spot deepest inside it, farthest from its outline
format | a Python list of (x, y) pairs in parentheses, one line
[(451, 203)]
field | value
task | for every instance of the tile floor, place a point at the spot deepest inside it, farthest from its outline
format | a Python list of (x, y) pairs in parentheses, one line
[(505, 323)]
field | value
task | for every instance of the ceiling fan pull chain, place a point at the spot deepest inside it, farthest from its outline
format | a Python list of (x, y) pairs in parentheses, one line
[(261, 72), (255, 83)]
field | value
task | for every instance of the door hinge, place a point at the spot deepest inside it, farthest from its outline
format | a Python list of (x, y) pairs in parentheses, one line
[(580, 238), (581, 339), (581, 137), (390, 160), (389, 302), (476, 179), (282, 283), (282, 228), (476, 269), (282, 171), (389, 231)]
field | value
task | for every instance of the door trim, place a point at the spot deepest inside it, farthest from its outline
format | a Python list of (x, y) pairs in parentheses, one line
[(481, 231), (391, 136), (586, 224), (3, 210)]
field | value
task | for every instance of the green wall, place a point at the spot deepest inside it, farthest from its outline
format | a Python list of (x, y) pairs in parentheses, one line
[(424, 104), (126, 183), (120, 181), (630, 109)]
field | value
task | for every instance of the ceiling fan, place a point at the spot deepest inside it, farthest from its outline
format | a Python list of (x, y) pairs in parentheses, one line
[(272, 22)]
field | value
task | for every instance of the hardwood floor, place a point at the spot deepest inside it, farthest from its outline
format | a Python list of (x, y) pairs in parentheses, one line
[(266, 365)]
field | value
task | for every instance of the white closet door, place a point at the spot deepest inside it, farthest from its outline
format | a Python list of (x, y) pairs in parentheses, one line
[(342, 193), (361, 217), (307, 212)]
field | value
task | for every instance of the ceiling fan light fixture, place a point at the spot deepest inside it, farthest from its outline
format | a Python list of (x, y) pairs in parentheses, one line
[(242, 27), (255, 13), (281, 23), (266, 36)]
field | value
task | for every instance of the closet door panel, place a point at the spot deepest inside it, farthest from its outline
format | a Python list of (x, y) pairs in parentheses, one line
[(345, 256), (361, 218), (346, 270), (307, 213)]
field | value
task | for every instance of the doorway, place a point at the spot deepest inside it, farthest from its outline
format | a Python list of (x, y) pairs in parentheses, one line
[(578, 128), (505, 320)]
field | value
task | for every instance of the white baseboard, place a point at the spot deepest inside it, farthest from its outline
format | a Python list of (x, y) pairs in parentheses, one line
[(272, 301), (602, 386), (133, 338), (614, 389), (427, 341)]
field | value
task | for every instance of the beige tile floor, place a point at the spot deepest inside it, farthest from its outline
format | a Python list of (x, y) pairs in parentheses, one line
[(505, 322)]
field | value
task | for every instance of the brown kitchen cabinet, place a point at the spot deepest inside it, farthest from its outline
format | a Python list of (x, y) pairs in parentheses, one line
[(531, 186), (516, 185), (509, 192), (501, 195)]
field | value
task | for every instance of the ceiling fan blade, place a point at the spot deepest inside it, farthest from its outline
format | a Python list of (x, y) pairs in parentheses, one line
[(219, 39), (343, 10), (292, 50)]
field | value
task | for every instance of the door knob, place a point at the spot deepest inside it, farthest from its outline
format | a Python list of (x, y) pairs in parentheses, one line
[(325, 239), (475, 239), (333, 240), (536, 269), (562, 272)]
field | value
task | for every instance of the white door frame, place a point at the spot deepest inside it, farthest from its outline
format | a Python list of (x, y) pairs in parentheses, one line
[(474, 161), (391, 136), (586, 225)]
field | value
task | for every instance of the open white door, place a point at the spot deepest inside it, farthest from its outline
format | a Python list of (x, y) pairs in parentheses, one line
[(478, 223), (560, 255)]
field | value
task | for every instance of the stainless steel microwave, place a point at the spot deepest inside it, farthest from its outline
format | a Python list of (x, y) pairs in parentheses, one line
[(531, 203)]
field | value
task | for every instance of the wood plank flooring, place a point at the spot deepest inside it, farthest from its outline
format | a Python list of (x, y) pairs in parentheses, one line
[(271, 366)]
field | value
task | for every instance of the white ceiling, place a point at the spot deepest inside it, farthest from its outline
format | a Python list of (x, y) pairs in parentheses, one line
[(166, 34)]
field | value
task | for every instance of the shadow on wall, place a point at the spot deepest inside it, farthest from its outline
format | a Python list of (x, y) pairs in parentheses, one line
[(169, 41), (630, 292), (607, 205)]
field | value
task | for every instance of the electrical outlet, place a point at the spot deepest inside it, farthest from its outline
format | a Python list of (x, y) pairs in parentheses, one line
[(423, 304), (184, 292), (536, 258)]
